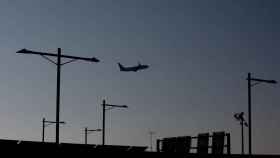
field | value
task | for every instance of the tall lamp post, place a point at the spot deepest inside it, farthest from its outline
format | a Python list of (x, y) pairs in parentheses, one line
[(240, 118), (110, 106), (252, 82), (46, 123), (58, 63)]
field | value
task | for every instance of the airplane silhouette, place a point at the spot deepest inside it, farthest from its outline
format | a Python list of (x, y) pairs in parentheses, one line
[(133, 68)]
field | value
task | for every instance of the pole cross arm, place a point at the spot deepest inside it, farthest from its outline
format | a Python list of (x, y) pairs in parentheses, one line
[(62, 122), (262, 80), (117, 106), (26, 51), (94, 130)]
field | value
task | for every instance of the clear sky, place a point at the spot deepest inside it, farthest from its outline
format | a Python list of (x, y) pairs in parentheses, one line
[(200, 52)]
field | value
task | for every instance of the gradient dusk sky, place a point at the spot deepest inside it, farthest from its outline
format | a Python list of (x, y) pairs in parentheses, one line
[(200, 52)]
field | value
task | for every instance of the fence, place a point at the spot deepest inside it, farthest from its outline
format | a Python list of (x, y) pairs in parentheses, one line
[(185, 144)]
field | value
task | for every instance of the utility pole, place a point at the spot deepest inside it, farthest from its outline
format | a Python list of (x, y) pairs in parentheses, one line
[(151, 133), (45, 124), (110, 106), (87, 131), (58, 95), (249, 114), (251, 84), (103, 121), (59, 56), (43, 130)]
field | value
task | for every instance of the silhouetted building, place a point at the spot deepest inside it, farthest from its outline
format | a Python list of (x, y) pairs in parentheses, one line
[(184, 144)]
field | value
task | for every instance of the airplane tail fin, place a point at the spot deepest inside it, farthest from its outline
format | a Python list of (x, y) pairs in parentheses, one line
[(121, 67)]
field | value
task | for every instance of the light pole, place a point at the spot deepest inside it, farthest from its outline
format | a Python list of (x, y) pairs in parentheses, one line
[(58, 64), (240, 117), (251, 84), (88, 131), (46, 123), (110, 106)]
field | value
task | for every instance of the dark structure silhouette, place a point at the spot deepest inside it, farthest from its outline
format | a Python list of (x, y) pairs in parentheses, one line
[(252, 82), (110, 106), (28, 148), (133, 68), (183, 144), (59, 56), (203, 143)]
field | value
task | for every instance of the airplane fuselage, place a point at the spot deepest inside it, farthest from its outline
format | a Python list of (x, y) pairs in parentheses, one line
[(133, 68)]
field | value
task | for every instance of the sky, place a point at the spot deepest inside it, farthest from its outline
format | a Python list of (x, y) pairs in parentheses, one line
[(199, 52)]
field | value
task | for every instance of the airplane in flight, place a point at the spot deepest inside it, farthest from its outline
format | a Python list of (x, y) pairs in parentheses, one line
[(133, 68)]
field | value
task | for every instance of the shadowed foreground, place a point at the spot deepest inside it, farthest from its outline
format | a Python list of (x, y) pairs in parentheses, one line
[(22, 148)]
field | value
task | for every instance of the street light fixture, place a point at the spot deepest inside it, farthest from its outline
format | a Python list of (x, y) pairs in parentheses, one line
[(251, 84), (58, 63), (240, 118), (45, 124), (89, 131), (110, 106)]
